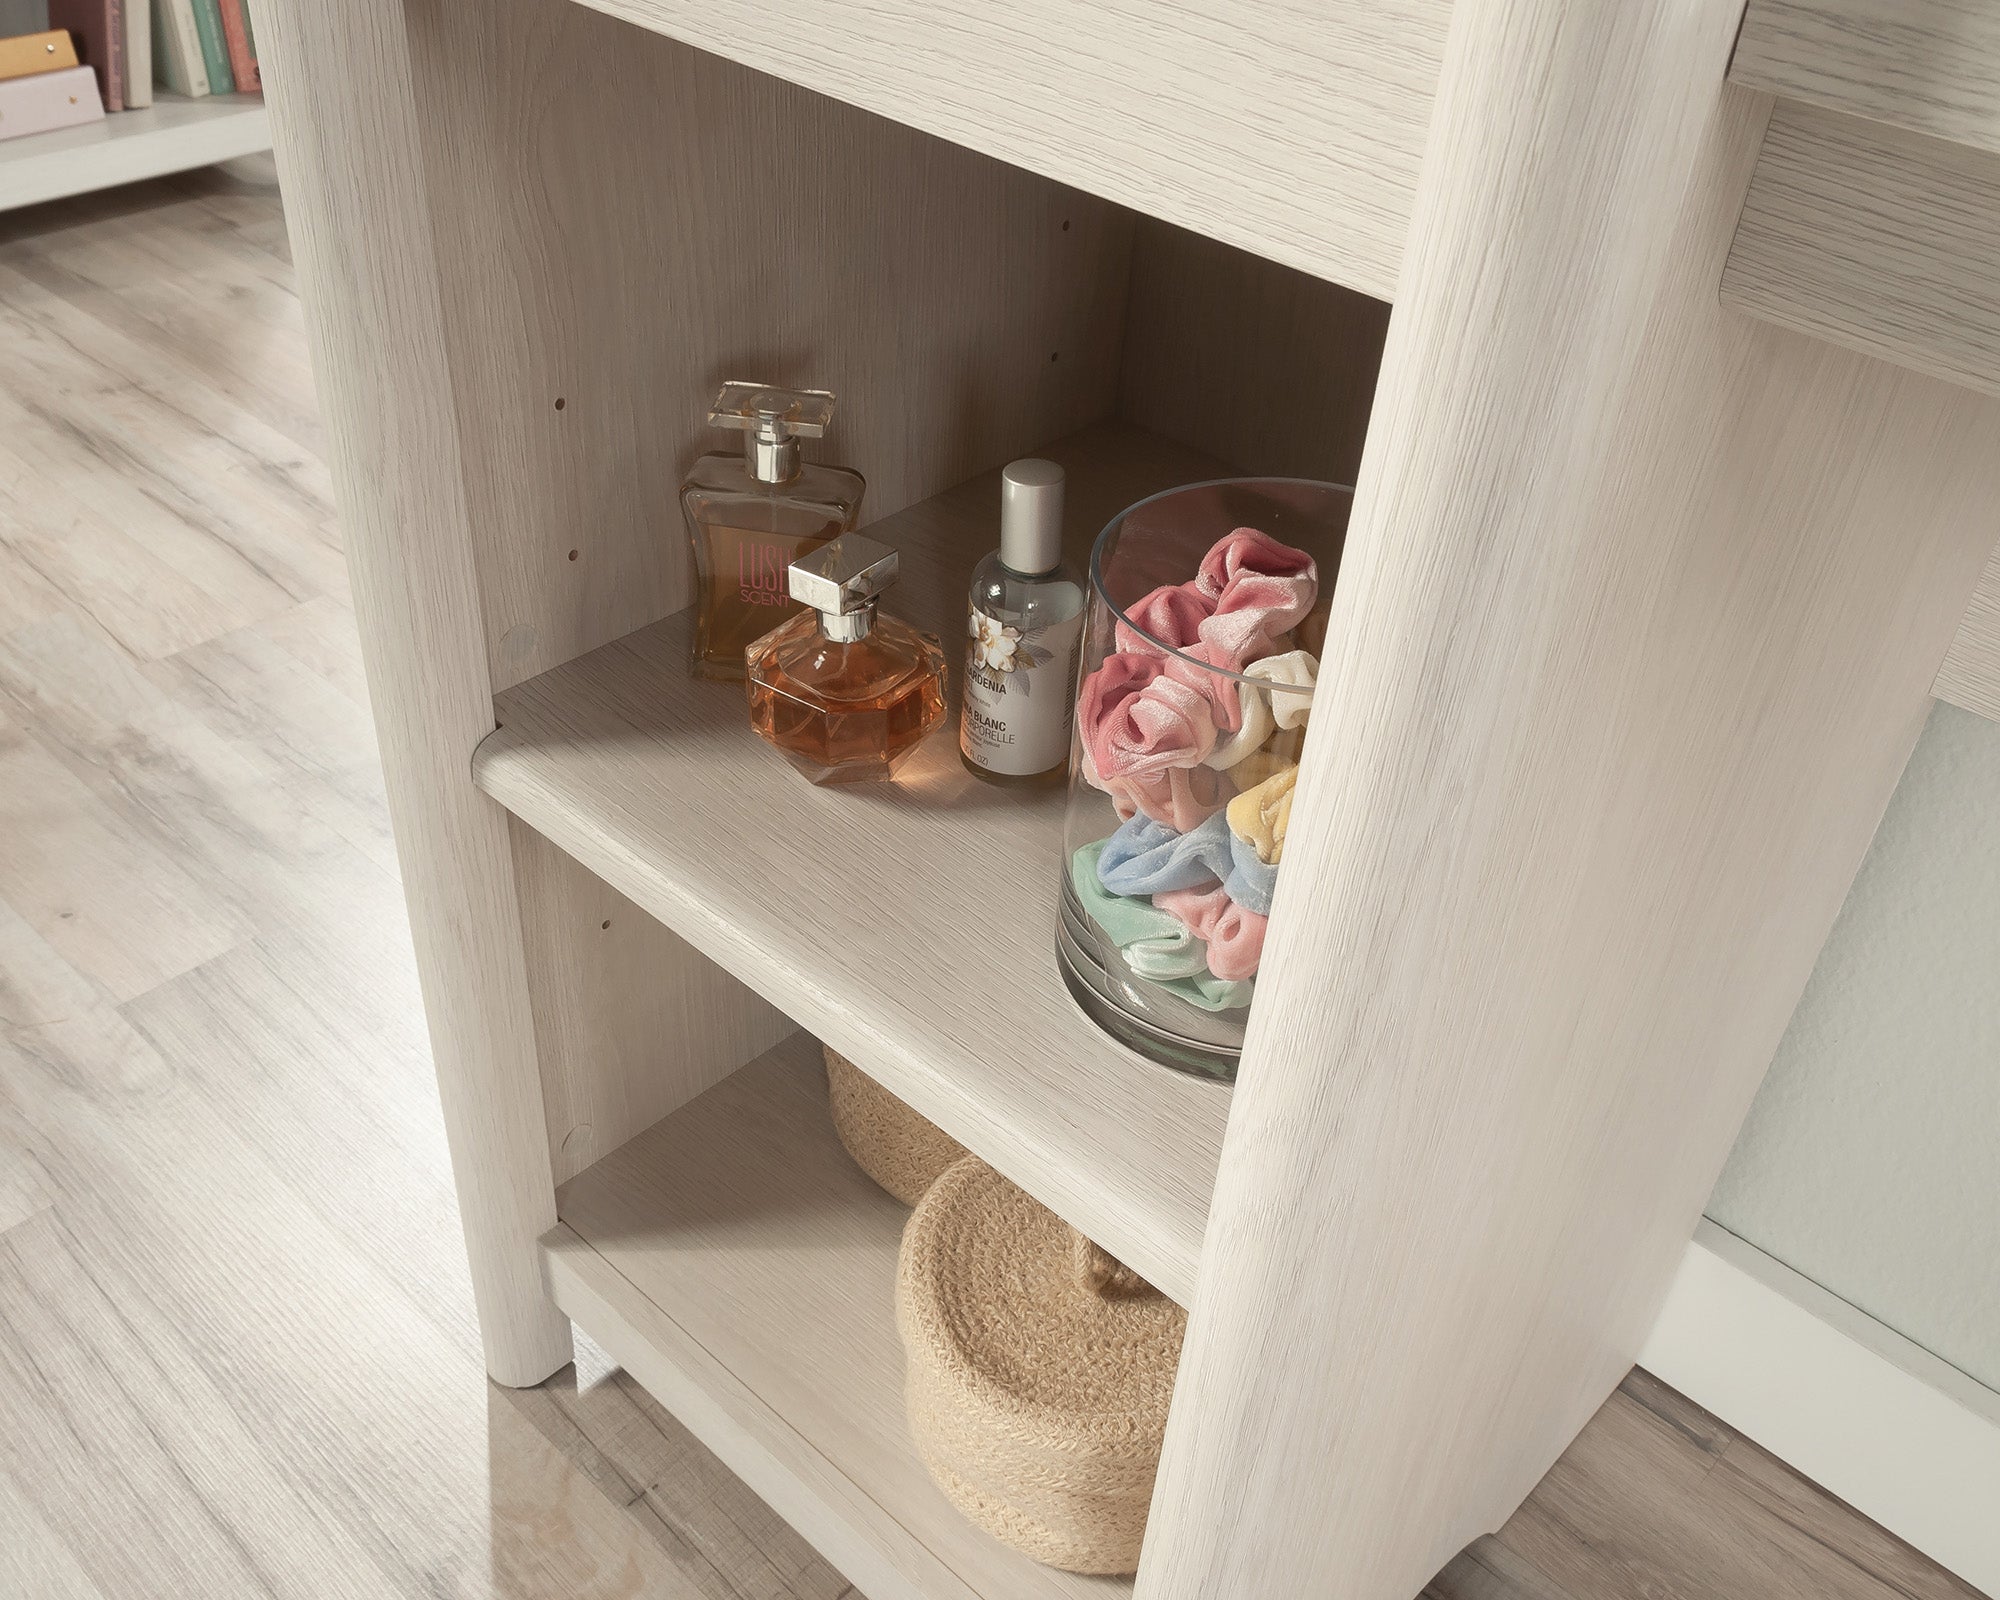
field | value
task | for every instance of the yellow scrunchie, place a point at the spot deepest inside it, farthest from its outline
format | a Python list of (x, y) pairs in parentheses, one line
[(1260, 816)]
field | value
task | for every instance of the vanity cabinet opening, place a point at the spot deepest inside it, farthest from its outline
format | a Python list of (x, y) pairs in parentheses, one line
[(688, 901)]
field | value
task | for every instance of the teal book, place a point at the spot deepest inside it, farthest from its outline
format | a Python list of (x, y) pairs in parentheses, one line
[(214, 47)]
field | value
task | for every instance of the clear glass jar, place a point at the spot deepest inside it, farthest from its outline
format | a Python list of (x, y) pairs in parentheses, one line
[(1208, 609)]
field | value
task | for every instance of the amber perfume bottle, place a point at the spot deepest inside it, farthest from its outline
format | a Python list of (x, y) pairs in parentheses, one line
[(844, 692), (749, 516)]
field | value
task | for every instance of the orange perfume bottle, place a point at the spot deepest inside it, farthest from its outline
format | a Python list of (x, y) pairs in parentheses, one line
[(844, 692), (748, 515)]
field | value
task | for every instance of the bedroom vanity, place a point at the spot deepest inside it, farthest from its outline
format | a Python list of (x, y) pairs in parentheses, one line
[(1667, 392)]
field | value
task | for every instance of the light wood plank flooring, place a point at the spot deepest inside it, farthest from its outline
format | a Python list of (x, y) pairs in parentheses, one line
[(237, 1355)]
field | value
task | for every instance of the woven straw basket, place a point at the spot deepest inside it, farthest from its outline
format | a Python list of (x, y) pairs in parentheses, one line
[(1039, 1372), (899, 1149)]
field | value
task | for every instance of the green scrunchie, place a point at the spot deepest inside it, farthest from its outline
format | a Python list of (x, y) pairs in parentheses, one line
[(1155, 944)]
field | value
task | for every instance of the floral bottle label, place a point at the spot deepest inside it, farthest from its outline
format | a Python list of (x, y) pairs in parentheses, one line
[(1019, 688)]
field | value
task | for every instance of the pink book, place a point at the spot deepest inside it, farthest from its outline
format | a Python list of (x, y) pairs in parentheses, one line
[(97, 26), (49, 100), (242, 64)]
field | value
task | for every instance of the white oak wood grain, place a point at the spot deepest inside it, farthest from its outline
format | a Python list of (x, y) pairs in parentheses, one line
[(348, 146), (1932, 66), (629, 1021), (686, 220), (1879, 240), (1635, 630), (1269, 368), (1290, 129), (741, 1265), (909, 925), (1970, 676), (171, 135)]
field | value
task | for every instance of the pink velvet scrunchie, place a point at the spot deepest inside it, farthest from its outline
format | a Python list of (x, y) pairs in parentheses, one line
[(1234, 936), (1180, 798), (1173, 616), (1136, 721), (1170, 615), (1262, 590)]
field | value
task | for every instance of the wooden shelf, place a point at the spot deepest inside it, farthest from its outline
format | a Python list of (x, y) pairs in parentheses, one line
[(737, 1263), (909, 925), (1294, 131), (171, 135)]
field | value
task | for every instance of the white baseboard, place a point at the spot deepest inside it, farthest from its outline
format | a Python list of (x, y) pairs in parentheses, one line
[(1900, 1435)]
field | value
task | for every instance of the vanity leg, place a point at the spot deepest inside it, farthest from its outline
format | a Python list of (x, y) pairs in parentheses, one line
[(351, 160)]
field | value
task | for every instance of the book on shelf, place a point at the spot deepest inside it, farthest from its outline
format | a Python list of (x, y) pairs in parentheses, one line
[(45, 101), (29, 53), (177, 60), (236, 35), (214, 51), (23, 16), (137, 17), (94, 28)]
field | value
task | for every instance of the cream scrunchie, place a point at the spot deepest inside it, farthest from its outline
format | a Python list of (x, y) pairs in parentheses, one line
[(1264, 710)]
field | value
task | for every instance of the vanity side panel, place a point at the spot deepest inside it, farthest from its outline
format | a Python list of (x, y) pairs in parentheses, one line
[(1634, 634), (344, 121), (631, 1021), (631, 221)]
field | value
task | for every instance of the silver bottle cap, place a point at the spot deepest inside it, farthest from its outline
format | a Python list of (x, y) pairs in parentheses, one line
[(1031, 516), (774, 421), (841, 581)]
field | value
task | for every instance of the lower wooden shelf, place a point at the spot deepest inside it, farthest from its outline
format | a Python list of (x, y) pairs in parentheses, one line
[(737, 1263)]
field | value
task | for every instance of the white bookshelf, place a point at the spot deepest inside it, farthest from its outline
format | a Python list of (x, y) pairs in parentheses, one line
[(171, 135)]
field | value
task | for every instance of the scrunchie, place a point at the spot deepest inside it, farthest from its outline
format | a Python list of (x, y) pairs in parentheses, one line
[(1261, 589), (1233, 934), (1260, 816), (1153, 943), (1143, 857), (1167, 621), (1180, 798), (1251, 880), (1136, 721), (1171, 615), (1261, 710)]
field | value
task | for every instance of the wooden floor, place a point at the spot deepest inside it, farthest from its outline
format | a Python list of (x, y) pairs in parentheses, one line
[(237, 1354)]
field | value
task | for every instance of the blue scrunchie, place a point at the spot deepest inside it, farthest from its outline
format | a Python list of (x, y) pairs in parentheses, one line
[(1145, 857)]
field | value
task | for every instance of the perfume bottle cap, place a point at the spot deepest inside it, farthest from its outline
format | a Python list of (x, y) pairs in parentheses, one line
[(774, 421), (841, 581), (1031, 516)]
